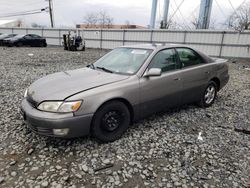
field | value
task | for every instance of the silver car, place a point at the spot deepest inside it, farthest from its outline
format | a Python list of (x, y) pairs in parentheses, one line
[(125, 85)]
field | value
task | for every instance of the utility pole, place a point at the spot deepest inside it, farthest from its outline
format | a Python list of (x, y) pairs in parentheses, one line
[(164, 21), (204, 15), (51, 13), (153, 14)]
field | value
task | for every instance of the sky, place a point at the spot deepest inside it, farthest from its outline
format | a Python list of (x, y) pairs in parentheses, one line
[(68, 13)]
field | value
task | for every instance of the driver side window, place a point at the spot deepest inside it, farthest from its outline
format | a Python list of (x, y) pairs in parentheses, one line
[(166, 60)]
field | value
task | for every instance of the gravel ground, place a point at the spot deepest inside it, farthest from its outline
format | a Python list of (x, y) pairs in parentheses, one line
[(160, 151)]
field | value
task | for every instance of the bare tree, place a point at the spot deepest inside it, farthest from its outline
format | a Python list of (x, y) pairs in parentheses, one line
[(240, 19), (35, 25), (195, 22), (91, 19), (171, 24), (127, 22), (102, 18)]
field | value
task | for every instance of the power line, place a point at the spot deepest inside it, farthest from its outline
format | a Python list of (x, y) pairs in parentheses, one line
[(23, 14), (235, 11), (232, 5), (177, 19), (182, 15), (220, 8), (176, 10)]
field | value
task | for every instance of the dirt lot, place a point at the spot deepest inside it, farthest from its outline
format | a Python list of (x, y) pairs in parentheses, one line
[(160, 151)]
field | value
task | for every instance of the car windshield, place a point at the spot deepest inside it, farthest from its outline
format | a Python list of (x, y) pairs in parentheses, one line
[(3, 36), (123, 60), (18, 36)]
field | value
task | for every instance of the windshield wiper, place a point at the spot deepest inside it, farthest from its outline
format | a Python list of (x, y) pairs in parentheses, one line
[(92, 66), (105, 69)]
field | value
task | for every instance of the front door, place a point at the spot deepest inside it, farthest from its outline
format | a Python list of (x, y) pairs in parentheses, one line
[(160, 92)]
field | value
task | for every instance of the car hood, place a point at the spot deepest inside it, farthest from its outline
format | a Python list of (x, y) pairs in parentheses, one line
[(61, 85), (7, 39)]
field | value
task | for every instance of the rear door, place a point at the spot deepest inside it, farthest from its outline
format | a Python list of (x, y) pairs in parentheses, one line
[(160, 92), (194, 75)]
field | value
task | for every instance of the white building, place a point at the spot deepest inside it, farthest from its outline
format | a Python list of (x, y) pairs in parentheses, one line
[(10, 23)]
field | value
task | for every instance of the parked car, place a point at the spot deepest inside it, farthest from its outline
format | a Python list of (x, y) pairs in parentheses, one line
[(26, 40), (5, 36), (127, 84)]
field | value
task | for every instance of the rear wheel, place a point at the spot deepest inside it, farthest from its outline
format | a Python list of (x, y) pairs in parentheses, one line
[(110, 121), (209, 95), (43, 44)]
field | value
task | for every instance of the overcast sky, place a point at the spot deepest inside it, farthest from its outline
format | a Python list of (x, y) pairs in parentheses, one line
[(71, 12)]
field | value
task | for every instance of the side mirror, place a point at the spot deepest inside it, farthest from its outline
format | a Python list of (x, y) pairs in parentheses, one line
[(153, 72)]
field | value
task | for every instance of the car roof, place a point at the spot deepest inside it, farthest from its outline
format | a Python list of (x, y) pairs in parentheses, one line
[(154, 46), (159, 46)]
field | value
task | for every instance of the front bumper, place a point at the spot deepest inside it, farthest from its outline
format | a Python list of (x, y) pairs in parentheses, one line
[(44, 122)]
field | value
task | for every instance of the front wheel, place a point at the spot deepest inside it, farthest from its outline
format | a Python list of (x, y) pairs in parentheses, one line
[(209, 95), (19, 44), (110, 121)]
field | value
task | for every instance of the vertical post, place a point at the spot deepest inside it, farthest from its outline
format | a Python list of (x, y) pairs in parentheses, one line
[(59, 33), (101, 39), (151, 35), (185, 36), (123, 37), (221, 43), (12, 30), (153, 14), (204, 14), (51, 14), (165, 15)]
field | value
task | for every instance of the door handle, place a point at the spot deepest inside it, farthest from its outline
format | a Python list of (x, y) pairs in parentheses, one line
[(207, 72), (176, 79)]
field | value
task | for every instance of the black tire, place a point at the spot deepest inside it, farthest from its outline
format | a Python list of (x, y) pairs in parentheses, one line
[(209, 95), (110, 121), (19, 44), (43, 44)]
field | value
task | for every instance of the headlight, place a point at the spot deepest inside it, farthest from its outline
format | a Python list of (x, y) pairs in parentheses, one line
[(59, 106), (25, 93)]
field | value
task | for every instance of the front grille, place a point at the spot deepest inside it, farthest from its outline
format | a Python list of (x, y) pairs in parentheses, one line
[(31, 101)]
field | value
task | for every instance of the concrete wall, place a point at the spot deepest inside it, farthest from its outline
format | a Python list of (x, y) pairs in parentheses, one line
[(214, 43)]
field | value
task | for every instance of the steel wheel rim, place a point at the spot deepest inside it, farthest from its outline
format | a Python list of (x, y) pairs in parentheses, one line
[(209, 94), (111, 120)]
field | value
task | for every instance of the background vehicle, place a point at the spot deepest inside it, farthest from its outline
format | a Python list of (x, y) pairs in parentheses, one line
[(26, 40), (5, 36), (125, 85)]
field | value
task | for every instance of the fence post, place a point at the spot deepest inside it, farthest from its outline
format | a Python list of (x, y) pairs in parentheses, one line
[(123, 37), (59, 33), (151, 36), (185, 36), (101, 39), (221, 44)]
